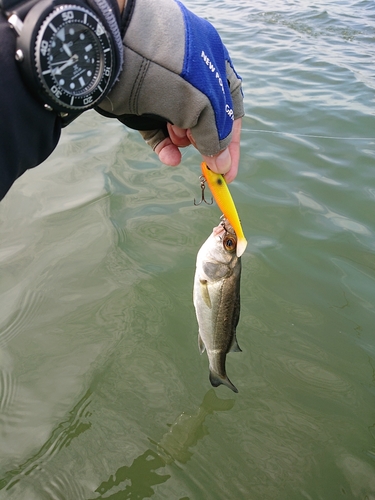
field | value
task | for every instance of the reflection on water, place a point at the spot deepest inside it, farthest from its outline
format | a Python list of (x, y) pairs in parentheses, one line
[(175, 445), (134, 481)]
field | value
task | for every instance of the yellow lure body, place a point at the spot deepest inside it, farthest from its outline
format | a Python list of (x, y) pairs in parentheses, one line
[(221, 193)]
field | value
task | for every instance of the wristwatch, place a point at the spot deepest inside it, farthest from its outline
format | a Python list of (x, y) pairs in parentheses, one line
[(69, 51)]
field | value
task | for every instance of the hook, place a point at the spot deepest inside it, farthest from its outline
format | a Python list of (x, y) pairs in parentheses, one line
[(203, 187)]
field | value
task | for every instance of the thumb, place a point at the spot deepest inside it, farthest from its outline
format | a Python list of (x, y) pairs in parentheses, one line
[(220, 163), (227, 161), (223, 163)]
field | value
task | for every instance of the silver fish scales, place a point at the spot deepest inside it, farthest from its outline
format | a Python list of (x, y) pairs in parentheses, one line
[(216, 297)]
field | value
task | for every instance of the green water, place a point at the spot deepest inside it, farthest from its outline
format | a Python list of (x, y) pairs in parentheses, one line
[(103, 393)]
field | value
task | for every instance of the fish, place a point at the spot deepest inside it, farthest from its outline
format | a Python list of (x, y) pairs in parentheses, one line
[(221, 193), (216, 297)]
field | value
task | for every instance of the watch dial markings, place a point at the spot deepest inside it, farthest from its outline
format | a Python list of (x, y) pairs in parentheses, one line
[(99, 30), (74, 57), (61, 35)]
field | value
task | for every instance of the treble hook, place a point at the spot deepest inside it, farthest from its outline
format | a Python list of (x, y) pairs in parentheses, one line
[(203, 187)]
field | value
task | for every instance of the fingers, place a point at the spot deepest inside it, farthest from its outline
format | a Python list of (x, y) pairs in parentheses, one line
[(226, 162), (178, 136), (168, 149), (220, 163), (168, 153)]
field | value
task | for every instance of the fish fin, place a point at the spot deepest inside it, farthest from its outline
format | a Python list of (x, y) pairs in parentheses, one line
[(201, 345), (241, 246), (235, 347), (217, 380), (205, 293)]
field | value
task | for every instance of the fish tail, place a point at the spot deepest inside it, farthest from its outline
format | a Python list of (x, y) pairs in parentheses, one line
[(217, 380), (212, 403)]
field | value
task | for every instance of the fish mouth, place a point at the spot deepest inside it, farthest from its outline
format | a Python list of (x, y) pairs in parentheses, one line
[(225, 228), (225, 232), (219, 230)]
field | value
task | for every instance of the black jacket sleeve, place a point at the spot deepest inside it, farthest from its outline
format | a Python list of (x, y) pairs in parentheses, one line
[(28, 132)]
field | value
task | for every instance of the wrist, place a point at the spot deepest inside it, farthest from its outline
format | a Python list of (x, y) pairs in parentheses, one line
[(121, 5)]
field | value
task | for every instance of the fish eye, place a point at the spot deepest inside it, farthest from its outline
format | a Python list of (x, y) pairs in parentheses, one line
[(230, 243)]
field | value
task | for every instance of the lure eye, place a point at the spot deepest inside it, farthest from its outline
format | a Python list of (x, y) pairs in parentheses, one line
[(230, 243)]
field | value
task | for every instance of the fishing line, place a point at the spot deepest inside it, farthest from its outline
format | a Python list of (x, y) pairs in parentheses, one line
[(310, 136)]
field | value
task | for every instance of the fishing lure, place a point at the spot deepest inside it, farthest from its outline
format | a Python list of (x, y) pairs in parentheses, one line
[(223, 198)]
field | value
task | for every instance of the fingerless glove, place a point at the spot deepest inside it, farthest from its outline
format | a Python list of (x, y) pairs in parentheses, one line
[(176, 70)]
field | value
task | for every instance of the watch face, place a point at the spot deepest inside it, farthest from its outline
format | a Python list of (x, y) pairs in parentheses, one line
[(74, 58)]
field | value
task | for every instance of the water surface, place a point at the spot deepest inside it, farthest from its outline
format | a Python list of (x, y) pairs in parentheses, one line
[(103, 393)]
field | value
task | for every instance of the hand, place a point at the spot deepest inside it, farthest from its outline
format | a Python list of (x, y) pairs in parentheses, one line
[(226, 162), (179, 86)]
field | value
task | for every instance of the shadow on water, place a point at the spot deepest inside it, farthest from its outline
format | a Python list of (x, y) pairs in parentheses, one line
[(175, 445), (137, 480)]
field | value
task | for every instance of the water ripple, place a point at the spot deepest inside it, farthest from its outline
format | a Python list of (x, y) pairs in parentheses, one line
[(21, 314), (7, 390), (8, 385), (320, 378), (341, 221), (58, 485), (108, 238)]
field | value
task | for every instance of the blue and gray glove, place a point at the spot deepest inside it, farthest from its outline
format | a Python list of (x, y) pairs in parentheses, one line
[(176, 70)]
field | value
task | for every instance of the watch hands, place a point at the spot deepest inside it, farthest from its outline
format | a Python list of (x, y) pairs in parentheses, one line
[(69, 62), (67, 50), (58, 62)]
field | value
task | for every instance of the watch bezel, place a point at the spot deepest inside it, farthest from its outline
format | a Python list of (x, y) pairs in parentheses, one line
[(36, 33), (56, 93)]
